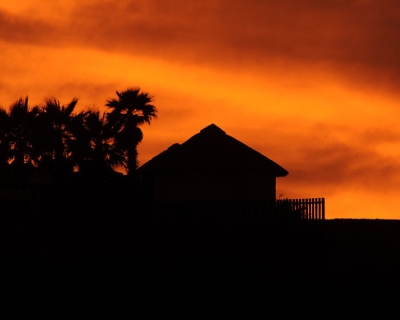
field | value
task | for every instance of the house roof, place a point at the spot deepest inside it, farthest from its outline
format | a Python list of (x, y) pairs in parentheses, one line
[(212, 150)]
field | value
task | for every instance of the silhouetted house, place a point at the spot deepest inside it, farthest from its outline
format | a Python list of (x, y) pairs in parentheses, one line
[(211, 166)]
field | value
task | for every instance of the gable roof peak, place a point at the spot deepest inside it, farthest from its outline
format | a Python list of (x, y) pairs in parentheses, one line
[(212, 150), (212, 129)]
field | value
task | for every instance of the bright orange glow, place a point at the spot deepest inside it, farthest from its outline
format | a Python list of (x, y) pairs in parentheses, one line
[(314, 98)]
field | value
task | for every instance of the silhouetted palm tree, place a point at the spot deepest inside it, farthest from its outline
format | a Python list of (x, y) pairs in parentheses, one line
[(99, 152), (59, 129), (22, 120), (129, 111)]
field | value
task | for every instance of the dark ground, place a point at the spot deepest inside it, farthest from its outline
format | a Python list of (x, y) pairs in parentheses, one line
[(144, 269)]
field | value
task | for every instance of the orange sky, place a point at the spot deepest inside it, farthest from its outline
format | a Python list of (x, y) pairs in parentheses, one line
[(311, 84)]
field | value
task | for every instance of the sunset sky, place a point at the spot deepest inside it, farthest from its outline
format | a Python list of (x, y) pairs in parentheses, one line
[(313, 85)]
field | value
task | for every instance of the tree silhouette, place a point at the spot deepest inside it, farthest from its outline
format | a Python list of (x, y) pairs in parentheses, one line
[(130, 110), (54, 140), (98, 151), (59, 128), (4, 129), (22, 121)]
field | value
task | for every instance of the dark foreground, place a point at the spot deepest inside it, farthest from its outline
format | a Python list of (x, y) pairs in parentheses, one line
[(146, 268)]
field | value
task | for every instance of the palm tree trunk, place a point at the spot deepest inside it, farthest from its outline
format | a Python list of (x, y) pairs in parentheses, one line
[(132, 162)]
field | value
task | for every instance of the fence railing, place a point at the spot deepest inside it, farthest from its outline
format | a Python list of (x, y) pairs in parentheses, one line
[(238, 213), (310, 209)]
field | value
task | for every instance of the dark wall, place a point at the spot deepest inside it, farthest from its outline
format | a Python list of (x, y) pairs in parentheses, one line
[(200, 186)]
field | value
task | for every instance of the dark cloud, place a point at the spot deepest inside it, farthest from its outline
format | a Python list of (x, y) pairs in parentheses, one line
[(380, 135), (340, 163), (334, 166), (26, 30), (356, 39)]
